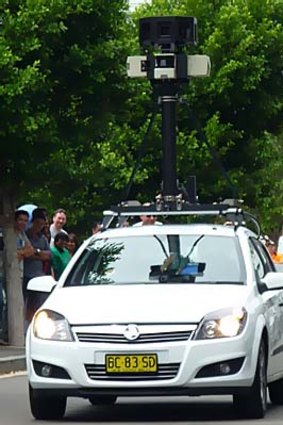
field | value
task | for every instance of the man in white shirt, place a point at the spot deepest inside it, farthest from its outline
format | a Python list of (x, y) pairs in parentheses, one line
[(59, 220), (147, 220)]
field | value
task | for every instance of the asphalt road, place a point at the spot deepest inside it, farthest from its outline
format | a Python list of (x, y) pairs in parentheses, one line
[(14, 409)]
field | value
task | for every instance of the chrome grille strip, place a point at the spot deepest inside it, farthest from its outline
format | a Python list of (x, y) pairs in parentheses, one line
[(165, 371), (143, 338)]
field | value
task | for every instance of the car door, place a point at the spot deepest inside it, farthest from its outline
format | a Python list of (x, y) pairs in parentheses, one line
[(273, 305)]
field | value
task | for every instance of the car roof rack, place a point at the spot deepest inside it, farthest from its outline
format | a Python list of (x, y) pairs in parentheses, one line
[(230, 209)]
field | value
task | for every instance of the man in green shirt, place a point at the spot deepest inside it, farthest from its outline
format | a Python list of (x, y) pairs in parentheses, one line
[(60, 256)]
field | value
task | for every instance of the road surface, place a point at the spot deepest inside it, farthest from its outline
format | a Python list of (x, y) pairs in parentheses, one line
[(14, 409)]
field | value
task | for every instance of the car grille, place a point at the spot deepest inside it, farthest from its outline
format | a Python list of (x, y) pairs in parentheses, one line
[(142, 339), (165, 371)]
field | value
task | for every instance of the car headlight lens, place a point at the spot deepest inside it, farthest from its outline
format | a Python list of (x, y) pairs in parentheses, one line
[(222, 324), (51, 326)]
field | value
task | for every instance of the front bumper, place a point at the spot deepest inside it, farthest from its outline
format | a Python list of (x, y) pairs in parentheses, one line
[(188, 362)]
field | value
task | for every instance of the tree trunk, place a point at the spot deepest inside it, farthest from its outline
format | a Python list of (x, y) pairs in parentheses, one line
[(12, 272)]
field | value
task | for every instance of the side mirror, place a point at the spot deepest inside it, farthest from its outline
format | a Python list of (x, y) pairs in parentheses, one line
[(273, 280), (42, 284)]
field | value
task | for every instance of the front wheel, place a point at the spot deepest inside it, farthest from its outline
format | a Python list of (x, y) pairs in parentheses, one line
[(102, 400), (254, 404), (46, 407)]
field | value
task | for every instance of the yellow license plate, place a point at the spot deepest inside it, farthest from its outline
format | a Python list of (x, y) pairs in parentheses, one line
[(131, 363)]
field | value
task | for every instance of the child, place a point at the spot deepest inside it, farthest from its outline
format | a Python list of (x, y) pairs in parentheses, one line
[(60, 255)]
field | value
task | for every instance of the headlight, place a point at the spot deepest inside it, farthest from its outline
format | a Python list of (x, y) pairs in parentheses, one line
[(52, 326), (222, 324)]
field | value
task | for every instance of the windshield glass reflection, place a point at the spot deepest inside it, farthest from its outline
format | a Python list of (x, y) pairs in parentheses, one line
[(159, 259)]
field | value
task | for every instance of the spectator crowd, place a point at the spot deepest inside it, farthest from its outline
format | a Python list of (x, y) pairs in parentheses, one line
[(43, 248)]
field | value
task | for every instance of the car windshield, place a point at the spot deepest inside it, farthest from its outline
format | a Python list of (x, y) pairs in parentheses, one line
[(159, 259)]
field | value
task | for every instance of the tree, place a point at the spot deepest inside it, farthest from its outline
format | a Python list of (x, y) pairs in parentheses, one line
[(60, 70)]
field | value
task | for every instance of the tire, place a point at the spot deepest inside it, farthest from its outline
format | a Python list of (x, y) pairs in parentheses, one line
[(102, 400), (276, 392), (253, 405), (46, 407)]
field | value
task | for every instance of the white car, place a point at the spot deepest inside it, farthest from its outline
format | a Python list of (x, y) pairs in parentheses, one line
[(160, 310)]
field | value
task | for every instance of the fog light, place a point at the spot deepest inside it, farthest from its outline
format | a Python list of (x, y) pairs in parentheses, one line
[(224, 368), (46, 371)]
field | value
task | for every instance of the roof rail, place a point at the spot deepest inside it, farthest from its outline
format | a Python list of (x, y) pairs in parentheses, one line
[(229, 209)]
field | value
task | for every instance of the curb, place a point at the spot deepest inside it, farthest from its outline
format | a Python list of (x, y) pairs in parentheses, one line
[(12, 364)]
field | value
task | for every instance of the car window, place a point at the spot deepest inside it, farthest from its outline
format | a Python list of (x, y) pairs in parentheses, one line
[(261, 259), (267, 261), (162, 258)]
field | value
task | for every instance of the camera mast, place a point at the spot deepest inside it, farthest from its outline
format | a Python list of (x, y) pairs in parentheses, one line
[(167, 67), (165, 63)]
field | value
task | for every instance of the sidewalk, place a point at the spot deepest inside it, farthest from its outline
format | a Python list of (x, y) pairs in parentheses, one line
[(12, 359)]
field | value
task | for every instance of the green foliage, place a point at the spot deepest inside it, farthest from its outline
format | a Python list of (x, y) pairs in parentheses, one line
[(239, 108), (104, 257), (73, 123), (62, 77)]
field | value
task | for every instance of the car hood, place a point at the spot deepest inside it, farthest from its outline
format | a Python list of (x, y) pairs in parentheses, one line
[(143, 303)]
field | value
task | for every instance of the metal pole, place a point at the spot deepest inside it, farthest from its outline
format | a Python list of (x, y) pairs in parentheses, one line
[(169, 168)]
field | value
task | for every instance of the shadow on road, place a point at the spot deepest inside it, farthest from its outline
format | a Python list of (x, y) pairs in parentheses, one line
[(139, 411)]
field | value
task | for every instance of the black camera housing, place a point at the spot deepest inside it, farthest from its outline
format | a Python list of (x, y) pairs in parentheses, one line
[(168, 33)]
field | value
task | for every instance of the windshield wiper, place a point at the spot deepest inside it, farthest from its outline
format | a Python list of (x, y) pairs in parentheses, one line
[(194, 245), (162, 245)]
